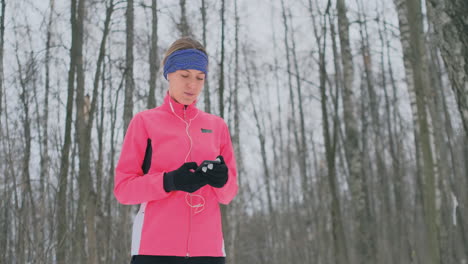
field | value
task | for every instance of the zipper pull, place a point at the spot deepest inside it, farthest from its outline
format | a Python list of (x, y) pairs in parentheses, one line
[(187, 256)]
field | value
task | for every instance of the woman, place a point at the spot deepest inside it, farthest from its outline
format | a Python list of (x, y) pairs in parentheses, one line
[(160, 167)]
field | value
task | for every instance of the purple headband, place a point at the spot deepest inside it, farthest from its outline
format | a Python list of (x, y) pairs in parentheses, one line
[(185, 59)]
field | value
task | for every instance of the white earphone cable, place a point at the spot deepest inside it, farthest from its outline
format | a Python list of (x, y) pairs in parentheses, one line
[(187, 126)]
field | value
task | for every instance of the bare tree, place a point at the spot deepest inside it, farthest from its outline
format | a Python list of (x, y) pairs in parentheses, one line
[(61, 218), (2, 37), (221, 62), (27, 210), (292, 120), (359, 194), (129, 81), (302, 142), (85, 190), (416, 71), (207, 99), (5, 194), (330, 135), (183, 25), (153, 56), (43, 131), (85, 116), (369, 243), (452, 37)]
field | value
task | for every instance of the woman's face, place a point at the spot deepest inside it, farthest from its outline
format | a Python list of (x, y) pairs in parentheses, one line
[(185, 85)]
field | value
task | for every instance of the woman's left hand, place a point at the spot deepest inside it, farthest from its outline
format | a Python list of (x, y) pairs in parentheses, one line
[(218, 175)]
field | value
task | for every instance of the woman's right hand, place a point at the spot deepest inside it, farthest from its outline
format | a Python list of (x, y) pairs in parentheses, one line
[(184, 179)]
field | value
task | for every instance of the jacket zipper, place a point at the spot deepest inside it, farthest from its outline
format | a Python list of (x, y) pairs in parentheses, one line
[(189, 235)]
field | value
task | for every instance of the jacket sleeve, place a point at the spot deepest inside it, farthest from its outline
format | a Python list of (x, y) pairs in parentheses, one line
[(226, 193), (131, 186)]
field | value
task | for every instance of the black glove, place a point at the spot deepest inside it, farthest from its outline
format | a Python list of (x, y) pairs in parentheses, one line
[(217, 175), (183, 179)]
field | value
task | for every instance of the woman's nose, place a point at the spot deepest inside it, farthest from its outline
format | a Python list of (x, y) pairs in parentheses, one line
[(191, 83)]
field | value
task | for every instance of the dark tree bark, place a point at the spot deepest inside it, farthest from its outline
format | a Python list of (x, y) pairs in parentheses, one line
[(236, 136), (206, 92), (451, 27), (128, 100), (221, 63), (330, 140), (302, 146), (153, 56), (292, 120), (415, 57), (129, 81), (2, 37), (61, 218), (27, 211), (88, 196), (183, 26), (82, 102), (44, 136), (358, 190), (370, 230), (5, 212)]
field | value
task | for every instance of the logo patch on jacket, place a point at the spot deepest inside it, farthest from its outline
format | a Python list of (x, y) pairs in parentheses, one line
[(204, 130)]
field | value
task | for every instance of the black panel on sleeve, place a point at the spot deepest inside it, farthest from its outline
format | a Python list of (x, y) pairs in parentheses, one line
[(147, 160)]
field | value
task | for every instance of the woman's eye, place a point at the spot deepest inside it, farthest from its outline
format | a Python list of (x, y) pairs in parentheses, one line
[(201, 79), (184, 76)]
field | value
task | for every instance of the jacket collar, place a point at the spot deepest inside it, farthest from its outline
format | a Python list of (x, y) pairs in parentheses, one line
[(190, 110)]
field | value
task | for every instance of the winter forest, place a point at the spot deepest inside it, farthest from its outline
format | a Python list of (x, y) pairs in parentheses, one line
[(349, 120)]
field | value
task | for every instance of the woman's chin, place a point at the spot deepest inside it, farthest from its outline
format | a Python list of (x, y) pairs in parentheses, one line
[(187, 100)]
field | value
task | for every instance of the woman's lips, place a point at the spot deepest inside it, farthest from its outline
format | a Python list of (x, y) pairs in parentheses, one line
[(189, 94)]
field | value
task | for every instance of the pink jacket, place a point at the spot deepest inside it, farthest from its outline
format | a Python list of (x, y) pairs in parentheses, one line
[(175, 223)]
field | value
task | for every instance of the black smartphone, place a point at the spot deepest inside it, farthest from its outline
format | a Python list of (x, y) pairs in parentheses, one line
[(206, 163)]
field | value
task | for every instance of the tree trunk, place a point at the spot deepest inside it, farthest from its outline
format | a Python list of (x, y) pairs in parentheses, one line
[(101, 223), (261, 134), (153, 56), (451, 28), (334, 99), (279, 133), (399, 191), (236, 135), (415, 58), (129, 81), (128, 100), (27, 212), (82, 109), (330, 139), (302, 146), (85, 117), (121, 246), (11, 194), (373, 231), (290, 85), (364, 244), (2, 37), (291, 121), (206, 92), (61, 218), (44, 136), (183, 26), (221, 63), (224, 211)]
